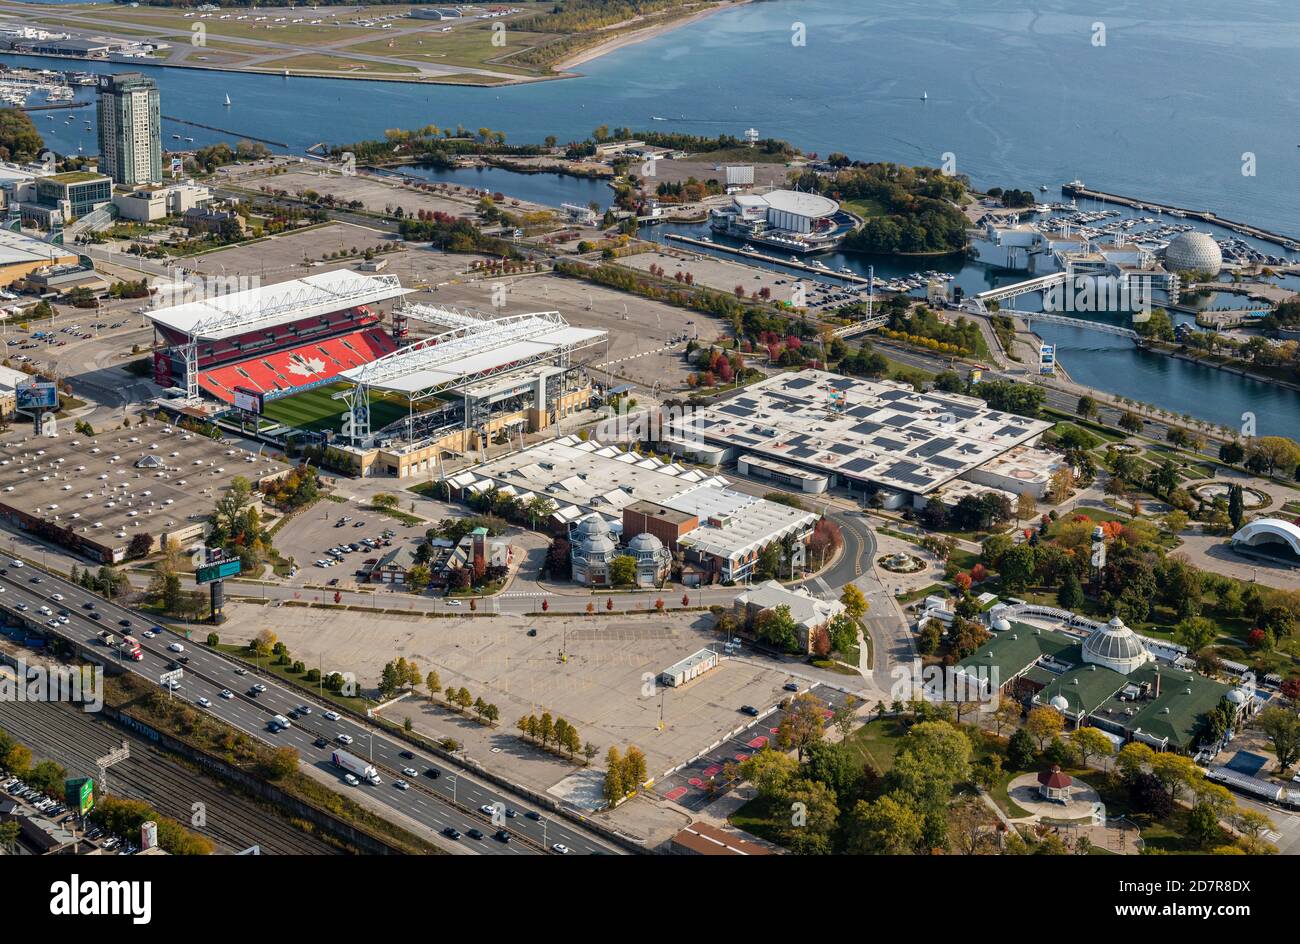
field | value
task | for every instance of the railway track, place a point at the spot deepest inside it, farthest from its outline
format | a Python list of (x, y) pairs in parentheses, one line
[(233, 821)]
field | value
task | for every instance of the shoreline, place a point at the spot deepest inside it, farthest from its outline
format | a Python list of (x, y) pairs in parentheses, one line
[(565, 66), (560, 70)]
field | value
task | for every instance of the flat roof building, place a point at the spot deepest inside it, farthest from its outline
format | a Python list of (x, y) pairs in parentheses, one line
[(863, 434), (95, 493)]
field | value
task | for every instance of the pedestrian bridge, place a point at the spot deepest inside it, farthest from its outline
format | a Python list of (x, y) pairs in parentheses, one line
[(861, 327), (1039, 284), (1031, 316)]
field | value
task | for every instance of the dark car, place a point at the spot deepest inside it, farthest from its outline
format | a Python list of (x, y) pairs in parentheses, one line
[(791, 686), (184, 660), (533, 631), (94, 616), (294, 715), (474, 834), (321, 742), (88, 605), (173, 665), (433, 773), (252, 693), (36, 578), (501, 836), (749, 710), (408, 755), (451, 833), (124, 622), (534, 815)]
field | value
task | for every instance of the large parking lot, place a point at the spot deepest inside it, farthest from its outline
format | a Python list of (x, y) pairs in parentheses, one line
[(604, 684), (308, 538)]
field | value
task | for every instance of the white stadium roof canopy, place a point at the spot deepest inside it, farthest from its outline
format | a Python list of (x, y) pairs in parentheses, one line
[(268, 306), (471, 351)]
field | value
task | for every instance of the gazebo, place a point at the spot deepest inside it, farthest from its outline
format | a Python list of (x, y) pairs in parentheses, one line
[(1054, 785)]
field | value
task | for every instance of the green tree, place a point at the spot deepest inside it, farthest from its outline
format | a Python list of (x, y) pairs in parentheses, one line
[(1282, 727), (622, 570)]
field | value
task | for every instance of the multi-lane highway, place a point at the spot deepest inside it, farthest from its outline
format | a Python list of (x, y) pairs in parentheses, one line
[(452, 800)]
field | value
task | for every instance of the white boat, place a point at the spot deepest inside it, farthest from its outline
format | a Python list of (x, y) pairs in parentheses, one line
[(925, 96), (227, 99)]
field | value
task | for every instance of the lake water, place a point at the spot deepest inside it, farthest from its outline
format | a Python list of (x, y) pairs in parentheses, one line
[(1018, 93)]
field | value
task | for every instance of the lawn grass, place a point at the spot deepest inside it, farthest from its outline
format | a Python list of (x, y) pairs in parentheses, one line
[(316, 410)]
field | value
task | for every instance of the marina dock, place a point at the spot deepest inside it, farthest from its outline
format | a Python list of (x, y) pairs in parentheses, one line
[(238, 134), (1078, 190), (759, 257)]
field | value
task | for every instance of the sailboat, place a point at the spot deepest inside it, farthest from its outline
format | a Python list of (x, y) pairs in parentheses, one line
[(925, 96), (227, 99)]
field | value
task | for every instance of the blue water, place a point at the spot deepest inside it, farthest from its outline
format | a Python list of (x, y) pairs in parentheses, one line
[(1018, 95), (548, 189)]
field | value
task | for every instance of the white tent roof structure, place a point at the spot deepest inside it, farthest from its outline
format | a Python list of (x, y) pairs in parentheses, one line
[(268, 306), (473, 350)]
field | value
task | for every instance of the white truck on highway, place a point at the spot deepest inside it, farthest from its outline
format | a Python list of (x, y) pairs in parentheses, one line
[(355, 765)]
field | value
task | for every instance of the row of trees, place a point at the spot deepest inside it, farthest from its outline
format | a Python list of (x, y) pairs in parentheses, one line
[(624, 773), (554, 733)]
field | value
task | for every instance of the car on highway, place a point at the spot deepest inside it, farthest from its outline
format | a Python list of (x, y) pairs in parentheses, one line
[(344, 739), (451, 833), (239, 670), (474, 834), (57, 597), (20, 605), (259, 686), (15, 562), (36, 578), (534, 815), (401, 785), (52, 623), (90, 605), (149, 634), (173, 684), (174, 647), (331, 716), (95, 616), (124, 622), (350, 780), (227, 694), (453, 603), (410, 772), (488, 810), (252, 693), (511, 814), (560, 848), (433, 773), (320, 742), (501, 836), (203, 703)]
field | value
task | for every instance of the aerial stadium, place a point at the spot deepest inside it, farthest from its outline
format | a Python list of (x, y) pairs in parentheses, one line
[(311, 361)]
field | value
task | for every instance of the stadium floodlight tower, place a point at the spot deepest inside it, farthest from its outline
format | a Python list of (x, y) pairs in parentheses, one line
[(463, 355)]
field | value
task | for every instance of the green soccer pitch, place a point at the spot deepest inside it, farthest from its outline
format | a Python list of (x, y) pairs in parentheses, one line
[(316, 410)]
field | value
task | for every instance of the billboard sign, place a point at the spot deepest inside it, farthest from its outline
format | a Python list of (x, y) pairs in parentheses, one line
[(248, 400), (218, 571), (79, 795), (37, 396)]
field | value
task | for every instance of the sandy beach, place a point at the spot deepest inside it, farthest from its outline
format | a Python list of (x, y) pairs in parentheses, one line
[(641, 35)]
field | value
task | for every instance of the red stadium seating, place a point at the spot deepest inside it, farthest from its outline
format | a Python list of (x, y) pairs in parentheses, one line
[(297, 366)]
